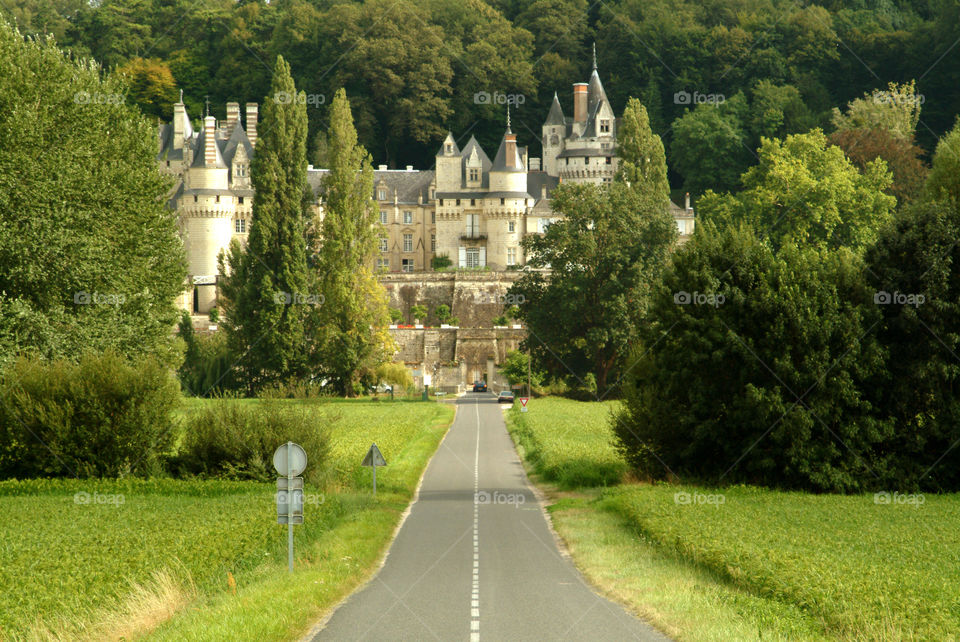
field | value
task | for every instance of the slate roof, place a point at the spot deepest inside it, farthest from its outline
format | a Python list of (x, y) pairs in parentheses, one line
[(409, 185)]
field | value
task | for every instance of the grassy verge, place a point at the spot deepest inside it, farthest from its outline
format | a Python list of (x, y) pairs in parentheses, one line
[(206, 559), (747, 563)]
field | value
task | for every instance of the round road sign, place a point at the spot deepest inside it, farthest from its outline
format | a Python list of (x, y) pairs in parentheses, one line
[(298, 459)]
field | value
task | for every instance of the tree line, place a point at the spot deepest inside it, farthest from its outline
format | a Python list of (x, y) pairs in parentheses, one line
[(415, 69)]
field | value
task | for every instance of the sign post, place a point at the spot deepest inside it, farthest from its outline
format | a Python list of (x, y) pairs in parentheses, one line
[(290, 460), (523, 403), (372, 459)]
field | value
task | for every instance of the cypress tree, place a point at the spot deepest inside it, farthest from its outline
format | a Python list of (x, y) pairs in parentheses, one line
[(351, 326), (265, 291), (643, 162)]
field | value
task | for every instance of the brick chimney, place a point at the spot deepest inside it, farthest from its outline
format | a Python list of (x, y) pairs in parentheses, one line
[(511, 147), (580, 102), (233, 117), (209, 141), (252, 123)]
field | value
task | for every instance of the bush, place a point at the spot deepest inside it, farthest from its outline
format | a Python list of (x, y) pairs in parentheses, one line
[(440, 262), (233, 439), (101, 417)]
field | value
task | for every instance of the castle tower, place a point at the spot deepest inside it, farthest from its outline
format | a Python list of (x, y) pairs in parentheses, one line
[(554, 133), (448, 166)]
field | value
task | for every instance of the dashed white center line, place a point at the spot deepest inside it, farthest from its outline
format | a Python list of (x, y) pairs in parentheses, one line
[(475, 596)]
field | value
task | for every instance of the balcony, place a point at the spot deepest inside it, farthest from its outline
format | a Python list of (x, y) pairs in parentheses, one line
[(471, 235)]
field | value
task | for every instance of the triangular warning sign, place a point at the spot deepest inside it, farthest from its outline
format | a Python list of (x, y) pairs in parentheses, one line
[(374, 457), (523, 401)]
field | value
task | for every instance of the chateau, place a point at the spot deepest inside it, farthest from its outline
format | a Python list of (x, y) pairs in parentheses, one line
[(470, 209)]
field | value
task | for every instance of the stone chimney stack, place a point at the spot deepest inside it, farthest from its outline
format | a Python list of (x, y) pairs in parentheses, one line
[(580, 103), (252, 123), (179, 118), (233, 117), (209, 141), (686, 202)]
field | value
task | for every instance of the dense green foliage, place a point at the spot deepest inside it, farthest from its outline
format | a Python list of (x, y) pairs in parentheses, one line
[(264, 286), (234, 440), (101, 417), (413, 68), (89, 254), (604, 254)]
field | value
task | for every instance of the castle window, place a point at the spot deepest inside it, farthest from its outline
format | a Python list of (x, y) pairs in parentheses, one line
[(408, 242), (458, 201), (503, 201), (511, 226), (609, 160), (511, 256), (381, 194), (217, 198), (473, 201), (604, 126), (449, 148), (433, 242), (383, 264), (383, 217), (406, 265), (408, 217), (474, 174), (194, 198), (384, 245), (240, 200), (441, 202), (433, 216), (554, 140), (567, 159), (432, 193), (240, 226), (472, 256), (586, 160)]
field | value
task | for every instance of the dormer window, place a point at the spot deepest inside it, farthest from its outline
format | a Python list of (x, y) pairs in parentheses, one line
[(474, 175), (586, 160), (381, 194), (503, 201), (604, 126), (239, 170), (449, 148)]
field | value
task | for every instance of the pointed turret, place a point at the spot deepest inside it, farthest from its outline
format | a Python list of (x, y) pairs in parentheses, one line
[(555, 117), (595, 92), (449, 146)]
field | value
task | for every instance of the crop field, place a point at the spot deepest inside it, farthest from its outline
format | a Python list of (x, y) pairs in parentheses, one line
[(870, 569), (73, 548), (568, 442)]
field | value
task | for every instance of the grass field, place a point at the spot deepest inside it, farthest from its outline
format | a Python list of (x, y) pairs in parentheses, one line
[(568, 442), (749, 563), (79, 551)]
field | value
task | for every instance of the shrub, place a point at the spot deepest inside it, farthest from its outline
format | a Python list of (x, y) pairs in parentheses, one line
[(440, 262), (101, 417), (233, 439)]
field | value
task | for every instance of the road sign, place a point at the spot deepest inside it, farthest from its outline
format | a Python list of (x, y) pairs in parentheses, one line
[(290, 460), (523, 403), (298, 459), (373, 459)]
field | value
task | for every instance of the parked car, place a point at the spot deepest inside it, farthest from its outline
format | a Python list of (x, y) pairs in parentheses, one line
[(479, 386), (505, 396)]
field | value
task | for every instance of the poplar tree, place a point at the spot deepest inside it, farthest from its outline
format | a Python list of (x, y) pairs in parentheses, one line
[(264, 294), (351, 326), (643, 162)]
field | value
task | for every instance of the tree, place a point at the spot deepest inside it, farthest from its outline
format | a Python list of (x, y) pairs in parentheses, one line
[(710, 148), (901, 155), (90, 258), (264, 287), (442, 312), (603, 253), (913, 271), (515, 366), (642, 161), (896, 110), (944, 180), (776, 111), (151, 86), (396, 374), (351, 326), (807, 191), (751, 369), (418, 312)]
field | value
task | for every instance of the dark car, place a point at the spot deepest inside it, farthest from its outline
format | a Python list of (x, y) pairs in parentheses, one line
[(479, 386), (505, 396)]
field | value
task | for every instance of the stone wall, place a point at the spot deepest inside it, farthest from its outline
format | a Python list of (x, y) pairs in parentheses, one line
[(475, 298)]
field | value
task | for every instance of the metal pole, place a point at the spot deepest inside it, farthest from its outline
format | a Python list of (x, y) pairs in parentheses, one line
[(290, 506), (374, 476), (529, 359)]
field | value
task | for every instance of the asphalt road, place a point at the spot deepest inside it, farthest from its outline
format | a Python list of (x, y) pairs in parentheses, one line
[(475, 557)]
